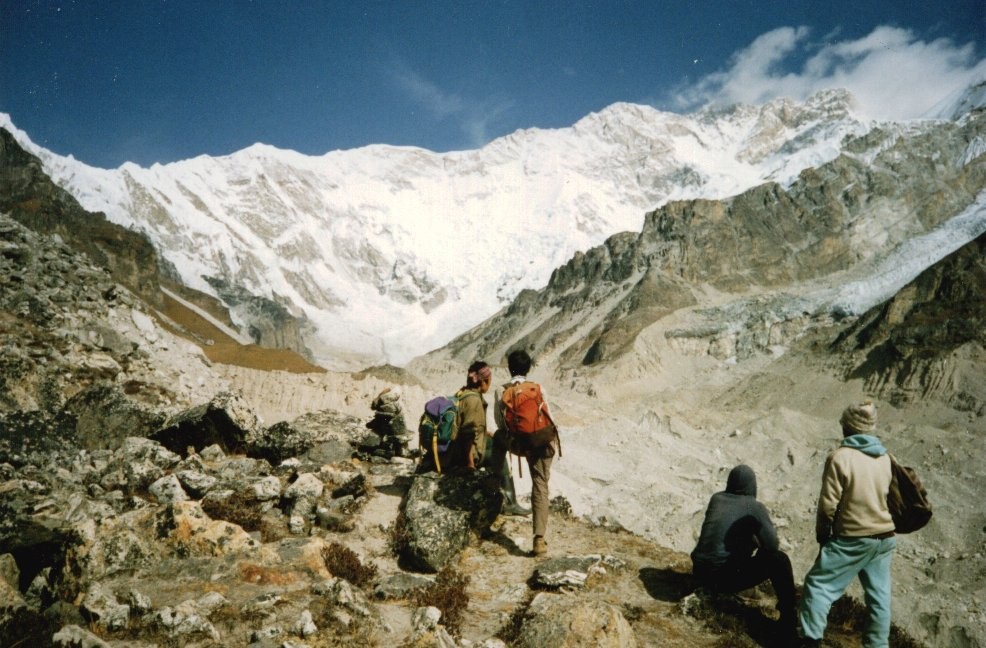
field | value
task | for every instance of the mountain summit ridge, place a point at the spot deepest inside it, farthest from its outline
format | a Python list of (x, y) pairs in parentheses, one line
[(347, 241)]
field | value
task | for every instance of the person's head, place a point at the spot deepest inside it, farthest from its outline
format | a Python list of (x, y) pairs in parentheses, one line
[(519, 362), (479, 376), (742, 481), (858, 419)]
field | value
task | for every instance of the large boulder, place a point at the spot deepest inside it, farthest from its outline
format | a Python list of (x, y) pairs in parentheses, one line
[(441, 513), (557, 621), (225, 421), (104, 417)]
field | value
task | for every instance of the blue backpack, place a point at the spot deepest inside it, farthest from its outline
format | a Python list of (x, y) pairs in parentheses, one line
[(439, 425)]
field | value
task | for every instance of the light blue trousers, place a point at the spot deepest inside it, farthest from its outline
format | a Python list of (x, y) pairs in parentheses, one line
[(839, 561)]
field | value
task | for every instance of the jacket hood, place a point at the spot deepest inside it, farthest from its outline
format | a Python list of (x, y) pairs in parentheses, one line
[(866, 443), (742, 481)]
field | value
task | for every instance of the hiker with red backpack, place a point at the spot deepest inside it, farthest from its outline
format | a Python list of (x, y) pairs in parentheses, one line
[(526, 429)]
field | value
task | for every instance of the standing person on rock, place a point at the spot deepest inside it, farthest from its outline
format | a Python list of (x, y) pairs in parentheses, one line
[(525, 427), (738, 548), (854, 529)]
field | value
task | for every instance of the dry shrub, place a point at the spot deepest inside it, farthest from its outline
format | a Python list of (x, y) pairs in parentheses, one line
[(400, 537), (238, 508), (448, 594), (243, 510), (343, 562)]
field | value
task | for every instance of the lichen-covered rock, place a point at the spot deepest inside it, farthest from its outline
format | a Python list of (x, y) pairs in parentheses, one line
[(100, 608), (441, 512), (168, 490), (191, 531)]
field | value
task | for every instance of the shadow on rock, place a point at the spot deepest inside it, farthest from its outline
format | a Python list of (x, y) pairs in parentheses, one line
[(667, 584)]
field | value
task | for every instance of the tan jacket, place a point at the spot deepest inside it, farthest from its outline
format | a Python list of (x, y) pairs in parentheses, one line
[(470, 438), (853, 498)]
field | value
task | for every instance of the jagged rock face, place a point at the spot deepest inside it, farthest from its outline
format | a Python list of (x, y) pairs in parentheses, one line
[(268, 322), (929, 340), (29, 196), (66, 325), (834, 221)]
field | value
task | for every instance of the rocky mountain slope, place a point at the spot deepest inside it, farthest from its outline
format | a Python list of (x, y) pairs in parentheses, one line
[(339, 258), (752, 270)]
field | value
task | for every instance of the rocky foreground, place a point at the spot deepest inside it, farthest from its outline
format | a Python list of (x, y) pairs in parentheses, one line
[(213, 530)]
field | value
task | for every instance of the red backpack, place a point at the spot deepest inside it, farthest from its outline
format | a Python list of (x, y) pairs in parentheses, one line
[(527, 418)]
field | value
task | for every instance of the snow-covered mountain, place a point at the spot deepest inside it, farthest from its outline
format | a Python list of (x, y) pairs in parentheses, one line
[(389, 252)]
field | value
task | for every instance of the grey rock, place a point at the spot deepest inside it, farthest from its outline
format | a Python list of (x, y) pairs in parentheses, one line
[(306, 625), (572, 571), (268, 488), (225, 421), (100, 607), (196, 483), (306, 486), (168, 490), (74, 636), (104, 416), (400, 585)]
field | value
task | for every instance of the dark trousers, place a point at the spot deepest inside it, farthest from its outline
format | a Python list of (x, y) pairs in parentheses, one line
[(740, 574)]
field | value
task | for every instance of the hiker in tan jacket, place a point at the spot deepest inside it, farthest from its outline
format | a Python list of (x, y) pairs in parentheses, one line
[(854, 530), (469, 444)]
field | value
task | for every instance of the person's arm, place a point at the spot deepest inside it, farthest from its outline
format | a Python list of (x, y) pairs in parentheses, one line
[(828, 500), (766, 536)]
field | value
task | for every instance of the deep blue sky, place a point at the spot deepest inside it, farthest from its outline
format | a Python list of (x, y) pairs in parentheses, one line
[(147, 81)]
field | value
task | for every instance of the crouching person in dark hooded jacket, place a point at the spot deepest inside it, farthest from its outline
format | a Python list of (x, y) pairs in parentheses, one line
[(738, 547)]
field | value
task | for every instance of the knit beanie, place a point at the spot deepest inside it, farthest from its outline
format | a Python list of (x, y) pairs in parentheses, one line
[(859, 419)]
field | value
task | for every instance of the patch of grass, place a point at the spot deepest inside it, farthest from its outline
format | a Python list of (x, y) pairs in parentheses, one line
[(448, 594), (261, 575), (335, 632), (343, 562), (850, 615), (25, 628)]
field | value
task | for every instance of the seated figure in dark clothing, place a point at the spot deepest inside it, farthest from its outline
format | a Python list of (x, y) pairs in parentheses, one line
[(738, 547)]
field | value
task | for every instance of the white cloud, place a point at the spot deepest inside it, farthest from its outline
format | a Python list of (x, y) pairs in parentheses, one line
[(892, 73), (472, 116), (440, 103)]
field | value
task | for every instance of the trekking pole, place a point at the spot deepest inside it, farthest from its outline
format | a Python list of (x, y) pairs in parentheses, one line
[(434, 449)]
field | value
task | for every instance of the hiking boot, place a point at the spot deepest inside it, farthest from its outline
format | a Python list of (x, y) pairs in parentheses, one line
[(540, 546)]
